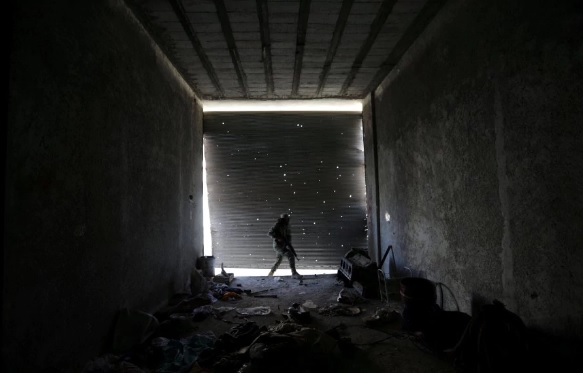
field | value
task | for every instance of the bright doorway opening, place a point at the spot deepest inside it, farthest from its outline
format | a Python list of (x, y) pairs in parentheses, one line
[(223, 244)]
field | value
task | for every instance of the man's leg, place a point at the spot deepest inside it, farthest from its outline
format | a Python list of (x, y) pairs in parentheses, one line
[(277, 263), (292, 265)]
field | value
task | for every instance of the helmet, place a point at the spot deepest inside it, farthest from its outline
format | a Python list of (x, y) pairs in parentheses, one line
[(284, 216)]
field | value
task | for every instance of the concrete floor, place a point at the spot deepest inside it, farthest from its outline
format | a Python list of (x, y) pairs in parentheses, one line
[(333, 341), (328, 339), (342, 343), (384, 348)]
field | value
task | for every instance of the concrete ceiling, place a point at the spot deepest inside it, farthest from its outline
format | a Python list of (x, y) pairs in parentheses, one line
[(268, 49)]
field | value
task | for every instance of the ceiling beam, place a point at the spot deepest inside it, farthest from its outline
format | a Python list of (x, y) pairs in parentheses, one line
[(228, 33), (336, 37), (303, 16), (189, 30), (263, 15), (382, 15), (421, 21)]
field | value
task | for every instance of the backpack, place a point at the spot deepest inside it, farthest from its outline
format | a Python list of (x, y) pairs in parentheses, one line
[(495, 340)]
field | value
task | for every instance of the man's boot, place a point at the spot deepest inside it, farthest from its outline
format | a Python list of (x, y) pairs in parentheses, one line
[(271, 273), (295, 273), (292, 265)]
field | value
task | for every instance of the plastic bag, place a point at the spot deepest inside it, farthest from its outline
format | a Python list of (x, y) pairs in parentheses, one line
[(255, 311)]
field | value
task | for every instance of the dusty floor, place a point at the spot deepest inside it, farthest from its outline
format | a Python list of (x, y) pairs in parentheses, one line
[(382, 348), (337, 332)]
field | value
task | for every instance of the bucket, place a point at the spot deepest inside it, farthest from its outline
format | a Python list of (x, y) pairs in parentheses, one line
[(417, 290), (418, 296), (207, 265)]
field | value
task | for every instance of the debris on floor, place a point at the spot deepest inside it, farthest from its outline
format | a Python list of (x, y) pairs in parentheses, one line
[(339, 310), (349, 296), (299, 314), (212, 331), (309, 305), (132, 328), (224, 279), (383, 316), (254, 311)]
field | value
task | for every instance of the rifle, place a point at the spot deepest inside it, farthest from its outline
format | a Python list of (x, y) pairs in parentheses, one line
[(291, 248)]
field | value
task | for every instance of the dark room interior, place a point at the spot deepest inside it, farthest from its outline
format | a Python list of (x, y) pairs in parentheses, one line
[(461, 168)]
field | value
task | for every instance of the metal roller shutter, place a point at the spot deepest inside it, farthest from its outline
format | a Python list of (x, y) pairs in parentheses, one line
[(310, 165)]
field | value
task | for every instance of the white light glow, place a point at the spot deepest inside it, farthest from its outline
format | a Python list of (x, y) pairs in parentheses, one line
[(352, 106), (254, 272), (208, 246)]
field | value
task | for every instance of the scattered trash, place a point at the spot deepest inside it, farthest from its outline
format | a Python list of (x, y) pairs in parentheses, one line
[(230, 295), (309, 304), (238, 336), (105, 363), (320, 343), (176, 328), (212, 298), (383, 316), (339, 310), (299, 313), (349, 296), (223, 272), (271, 350), (183, 305), (224, 277), (234, 290), (254, 311), (227, 363), (181, 316), (198, 284), (245, 368), (201, 313), (223, 310), (170, 341), (345, 345), (216, 288), (219, 290), (304, 350), (132, 328), (285, 327), (179, 355)]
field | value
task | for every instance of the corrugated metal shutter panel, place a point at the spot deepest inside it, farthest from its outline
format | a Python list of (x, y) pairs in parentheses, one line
[(260, 165)]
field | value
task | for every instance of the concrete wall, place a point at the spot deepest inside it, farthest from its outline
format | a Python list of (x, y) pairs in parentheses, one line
[(480, 154), (370, 169), (104, 151)]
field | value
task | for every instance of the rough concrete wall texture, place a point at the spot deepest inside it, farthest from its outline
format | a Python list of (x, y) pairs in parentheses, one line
[(479, 162), (370, 177), (104, 151)]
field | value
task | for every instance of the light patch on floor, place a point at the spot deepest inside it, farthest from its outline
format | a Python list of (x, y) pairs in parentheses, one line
[(253, 272)]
